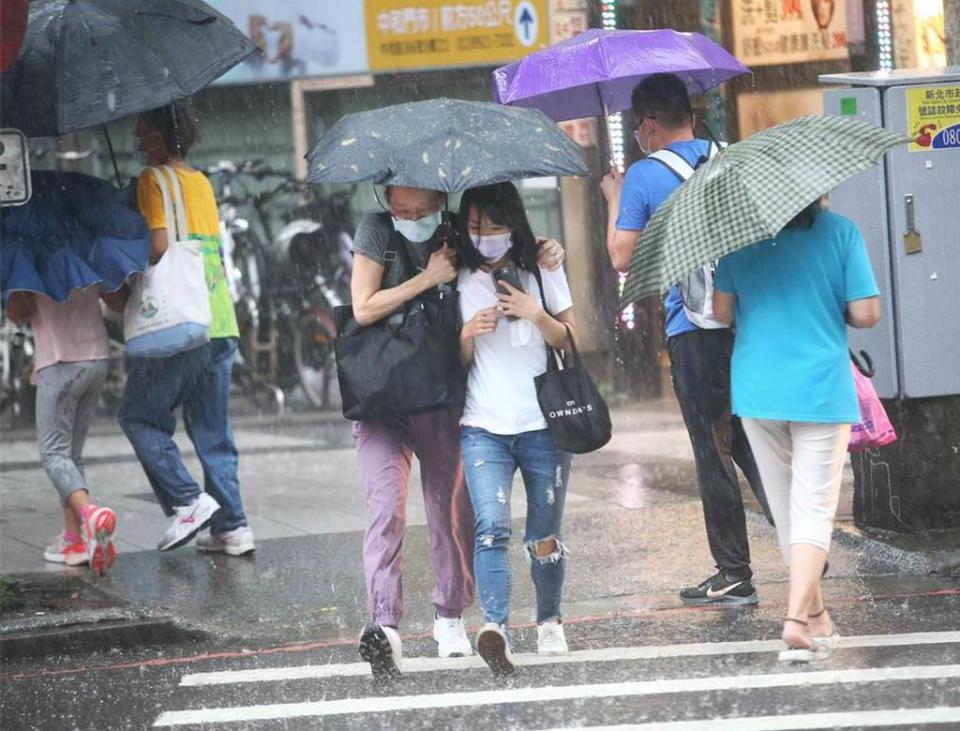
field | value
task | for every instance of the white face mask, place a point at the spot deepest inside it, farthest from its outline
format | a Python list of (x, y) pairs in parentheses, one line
[(639, 138), (492, 248), (418, 230)]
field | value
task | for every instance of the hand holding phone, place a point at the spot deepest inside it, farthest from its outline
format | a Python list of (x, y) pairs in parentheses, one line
[(511, 276)]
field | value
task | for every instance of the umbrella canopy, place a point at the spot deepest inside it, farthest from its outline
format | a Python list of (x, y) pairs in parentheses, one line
[(594, 73), (75, 232), (443, 144), (88, 62), (748, 192)]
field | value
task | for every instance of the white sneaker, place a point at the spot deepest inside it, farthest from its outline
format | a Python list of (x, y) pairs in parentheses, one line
[(236, 542), (381, 647), (493, 647), (451, 637), (188, 520), (550, 639)]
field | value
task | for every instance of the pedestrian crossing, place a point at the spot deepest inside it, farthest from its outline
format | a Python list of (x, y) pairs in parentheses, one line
[(865, 684)]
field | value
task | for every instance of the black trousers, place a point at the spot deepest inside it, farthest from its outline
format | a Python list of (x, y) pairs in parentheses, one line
[(700, 366)]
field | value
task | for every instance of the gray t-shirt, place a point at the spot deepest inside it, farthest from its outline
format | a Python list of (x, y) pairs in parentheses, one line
[(372, 241)]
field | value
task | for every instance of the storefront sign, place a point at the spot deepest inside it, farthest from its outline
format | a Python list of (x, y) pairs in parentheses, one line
[(760, 110), (770, 32), (297, 38), (408, 34), (933, 118), (918, 34)]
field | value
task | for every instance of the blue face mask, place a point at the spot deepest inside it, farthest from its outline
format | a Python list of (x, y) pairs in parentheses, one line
[(418, 230)]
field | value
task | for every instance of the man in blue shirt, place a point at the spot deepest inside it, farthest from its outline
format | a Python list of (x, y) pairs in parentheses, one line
[(699, 356)]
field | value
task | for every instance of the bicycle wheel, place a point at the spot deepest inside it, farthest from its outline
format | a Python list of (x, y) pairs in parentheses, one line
[(314, 356)]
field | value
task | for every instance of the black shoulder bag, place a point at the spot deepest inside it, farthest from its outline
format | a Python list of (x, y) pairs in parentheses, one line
[(406, 363), (577, 416)]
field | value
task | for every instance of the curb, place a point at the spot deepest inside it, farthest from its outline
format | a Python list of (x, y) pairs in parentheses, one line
[(943, 562), (76, 639), (62, 615)]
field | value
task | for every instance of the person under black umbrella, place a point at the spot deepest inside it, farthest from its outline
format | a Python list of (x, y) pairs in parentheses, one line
[(382, 282)]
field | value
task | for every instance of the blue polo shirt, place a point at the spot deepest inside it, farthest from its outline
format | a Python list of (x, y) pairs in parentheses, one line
[(790, 358), (647, 184)]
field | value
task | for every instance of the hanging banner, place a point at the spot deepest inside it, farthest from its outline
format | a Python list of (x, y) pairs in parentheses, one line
[(415, 34), (767, 32), (933, 118), (297, 39)]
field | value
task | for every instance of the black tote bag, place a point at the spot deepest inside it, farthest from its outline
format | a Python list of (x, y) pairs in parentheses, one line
[(407, 363), (577, 416)]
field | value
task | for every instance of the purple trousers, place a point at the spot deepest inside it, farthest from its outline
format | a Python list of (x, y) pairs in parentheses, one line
[(385, 449)]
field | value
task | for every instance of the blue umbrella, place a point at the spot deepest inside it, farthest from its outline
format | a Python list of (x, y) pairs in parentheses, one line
[(76, 231)]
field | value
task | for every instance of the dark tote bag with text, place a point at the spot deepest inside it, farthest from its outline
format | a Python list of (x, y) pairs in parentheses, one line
[(407, 363), (577, 416)]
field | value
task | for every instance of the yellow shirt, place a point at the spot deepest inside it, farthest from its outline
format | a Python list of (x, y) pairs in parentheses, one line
[(203, 222)]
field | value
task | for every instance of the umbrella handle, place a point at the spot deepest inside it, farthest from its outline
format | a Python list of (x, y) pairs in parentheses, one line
[(113, 157)]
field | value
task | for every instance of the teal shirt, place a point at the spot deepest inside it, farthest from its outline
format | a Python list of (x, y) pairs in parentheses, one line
[(790, 358)]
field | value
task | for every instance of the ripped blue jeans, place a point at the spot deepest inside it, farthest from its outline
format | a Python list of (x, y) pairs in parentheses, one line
[(489, 464)]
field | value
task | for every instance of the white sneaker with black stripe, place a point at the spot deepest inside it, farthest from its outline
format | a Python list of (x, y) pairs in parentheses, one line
[(188, 520)]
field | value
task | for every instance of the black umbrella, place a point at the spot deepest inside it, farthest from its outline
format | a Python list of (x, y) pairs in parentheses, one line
[(443, 144), (88, 62)]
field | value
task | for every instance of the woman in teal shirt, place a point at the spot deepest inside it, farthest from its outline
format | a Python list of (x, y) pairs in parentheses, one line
[(792, 297)]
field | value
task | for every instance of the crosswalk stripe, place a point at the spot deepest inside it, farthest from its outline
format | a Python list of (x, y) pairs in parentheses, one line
[(386, 704), (610, 654), (841, 719)]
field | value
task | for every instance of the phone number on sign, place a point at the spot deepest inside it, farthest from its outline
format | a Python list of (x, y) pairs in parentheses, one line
[(949, 137)]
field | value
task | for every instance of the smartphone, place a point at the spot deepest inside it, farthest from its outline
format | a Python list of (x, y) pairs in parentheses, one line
[(511, 275)]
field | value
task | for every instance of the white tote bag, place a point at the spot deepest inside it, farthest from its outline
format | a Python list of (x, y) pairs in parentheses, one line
[(169, 307)]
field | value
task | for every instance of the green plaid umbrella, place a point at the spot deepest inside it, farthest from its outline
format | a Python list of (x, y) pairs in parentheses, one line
[(747, 193)]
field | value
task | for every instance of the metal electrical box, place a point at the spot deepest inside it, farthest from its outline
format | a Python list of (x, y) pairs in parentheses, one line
[(908, 209)]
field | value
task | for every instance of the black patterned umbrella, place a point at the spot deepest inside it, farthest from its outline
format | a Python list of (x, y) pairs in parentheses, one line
[(747, 193), (88, 62), (443, 144)]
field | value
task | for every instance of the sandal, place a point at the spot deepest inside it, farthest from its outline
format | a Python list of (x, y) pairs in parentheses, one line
[(828, 641), (816, 651)]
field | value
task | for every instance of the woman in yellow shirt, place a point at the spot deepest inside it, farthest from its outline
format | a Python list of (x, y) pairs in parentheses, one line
[(198, 379)]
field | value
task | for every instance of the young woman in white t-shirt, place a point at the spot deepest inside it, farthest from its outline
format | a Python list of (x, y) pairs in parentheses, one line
[(504, 344)]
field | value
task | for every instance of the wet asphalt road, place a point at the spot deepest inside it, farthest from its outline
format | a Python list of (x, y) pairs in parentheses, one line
[(898, 666), (634, 524)]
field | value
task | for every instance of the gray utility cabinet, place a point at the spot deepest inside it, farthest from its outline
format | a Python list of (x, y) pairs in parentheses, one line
[(916, 347)]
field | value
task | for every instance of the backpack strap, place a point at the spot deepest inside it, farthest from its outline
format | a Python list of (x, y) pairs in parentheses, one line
[(677, 163), (674, 162)]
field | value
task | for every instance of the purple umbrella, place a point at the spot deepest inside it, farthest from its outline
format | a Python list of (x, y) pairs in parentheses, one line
[(594, 73)]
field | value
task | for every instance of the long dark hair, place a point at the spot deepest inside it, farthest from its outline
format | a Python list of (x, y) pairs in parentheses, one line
[(501, 203)]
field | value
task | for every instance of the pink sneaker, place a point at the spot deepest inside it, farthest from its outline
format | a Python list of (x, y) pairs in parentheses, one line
[(63, 551), (98, 529)]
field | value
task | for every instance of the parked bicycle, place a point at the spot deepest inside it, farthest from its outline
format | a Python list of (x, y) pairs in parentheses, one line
[(289, 267)]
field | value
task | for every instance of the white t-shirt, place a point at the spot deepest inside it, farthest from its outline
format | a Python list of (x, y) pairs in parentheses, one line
[(501, 396)]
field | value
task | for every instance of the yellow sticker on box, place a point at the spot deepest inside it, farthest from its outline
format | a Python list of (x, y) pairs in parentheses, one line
[(933, 118)]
